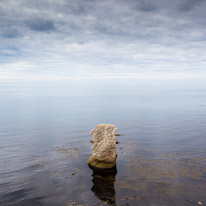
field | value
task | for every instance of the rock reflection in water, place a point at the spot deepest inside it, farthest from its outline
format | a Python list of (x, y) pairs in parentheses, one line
[(103, 184)]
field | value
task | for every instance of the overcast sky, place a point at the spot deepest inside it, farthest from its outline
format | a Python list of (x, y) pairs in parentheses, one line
[(102, 38)]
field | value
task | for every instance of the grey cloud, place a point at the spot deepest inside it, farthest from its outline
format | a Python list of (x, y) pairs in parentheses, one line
[(42, 25), (10, 33), (188, 5), (147, 6), (37, 4), (78, 7), (109, 17)]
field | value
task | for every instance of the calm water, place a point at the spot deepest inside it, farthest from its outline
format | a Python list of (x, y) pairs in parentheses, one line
[(45, 142)]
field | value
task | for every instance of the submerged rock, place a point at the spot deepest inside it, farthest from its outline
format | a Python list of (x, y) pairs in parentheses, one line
[(104, 146)]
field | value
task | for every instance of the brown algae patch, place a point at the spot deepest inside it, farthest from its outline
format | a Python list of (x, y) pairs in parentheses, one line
[(131, 183), (140, 189), (168, 166), (70, 152)]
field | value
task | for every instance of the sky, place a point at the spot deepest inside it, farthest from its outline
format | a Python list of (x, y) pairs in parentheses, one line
[(102, 39)]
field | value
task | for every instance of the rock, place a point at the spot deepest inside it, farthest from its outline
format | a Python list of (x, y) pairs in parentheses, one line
[(104, 146), (100, 164)]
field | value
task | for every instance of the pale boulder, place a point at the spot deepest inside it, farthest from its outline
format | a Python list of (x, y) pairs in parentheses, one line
[(104, 146)]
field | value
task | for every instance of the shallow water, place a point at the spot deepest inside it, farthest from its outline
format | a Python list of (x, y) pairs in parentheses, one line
[(45, 142)]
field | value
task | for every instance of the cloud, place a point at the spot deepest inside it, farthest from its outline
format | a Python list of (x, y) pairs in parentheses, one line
[(9, 33), (40, 25), (188, 5), (94, 37), (146, 6)]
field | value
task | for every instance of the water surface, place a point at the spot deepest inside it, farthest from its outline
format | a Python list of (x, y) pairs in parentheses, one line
[(45, 142)]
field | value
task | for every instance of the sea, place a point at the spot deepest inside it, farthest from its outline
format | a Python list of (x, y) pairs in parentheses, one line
[(45, 142)]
